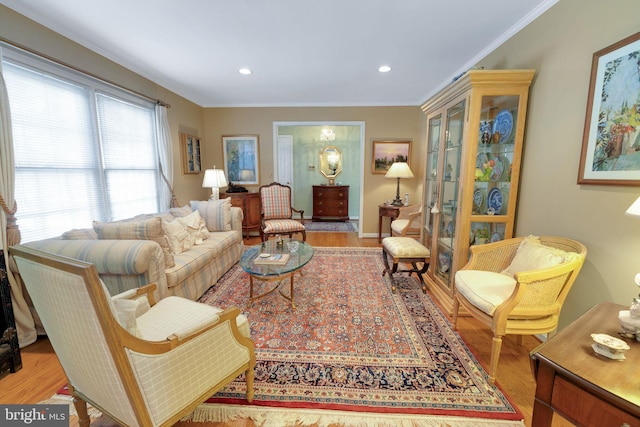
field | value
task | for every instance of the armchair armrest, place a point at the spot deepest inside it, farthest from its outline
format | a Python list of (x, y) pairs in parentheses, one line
[(409, 212), (301, 212)]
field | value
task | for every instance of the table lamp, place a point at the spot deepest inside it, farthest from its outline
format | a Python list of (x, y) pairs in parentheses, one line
[(214, 179), (630, 319), (399, 170)]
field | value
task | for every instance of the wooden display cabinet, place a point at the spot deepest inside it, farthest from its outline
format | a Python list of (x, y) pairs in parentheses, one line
[(475, 130), (250, 204)]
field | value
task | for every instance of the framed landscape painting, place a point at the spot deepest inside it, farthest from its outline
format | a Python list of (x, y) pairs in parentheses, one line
[(385, 153), (611, 141), (241, 159)]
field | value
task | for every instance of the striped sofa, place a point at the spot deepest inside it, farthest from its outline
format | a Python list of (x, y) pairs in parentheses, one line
[(128, 264)]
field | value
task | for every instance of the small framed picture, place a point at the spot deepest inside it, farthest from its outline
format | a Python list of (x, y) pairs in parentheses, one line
[(190, 154), (611, 140), (241, 158), (386, 153)]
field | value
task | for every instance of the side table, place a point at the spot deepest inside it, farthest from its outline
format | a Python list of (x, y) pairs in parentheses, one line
[(390, 212), (583, 387)]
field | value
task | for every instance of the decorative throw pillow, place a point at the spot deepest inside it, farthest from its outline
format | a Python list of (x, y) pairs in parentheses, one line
[(80, 234), (177, 236), (216, 213), (195, 226), (181, 212), (147, 229), (533, 255)]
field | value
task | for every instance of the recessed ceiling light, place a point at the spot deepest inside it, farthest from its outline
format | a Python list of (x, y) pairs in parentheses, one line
[(384, 69), (244, 71)]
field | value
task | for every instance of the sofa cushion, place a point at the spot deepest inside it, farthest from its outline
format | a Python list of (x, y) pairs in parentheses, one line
[(533, 255), (213, 250), (216, 213), (484, 289), (146, 229)]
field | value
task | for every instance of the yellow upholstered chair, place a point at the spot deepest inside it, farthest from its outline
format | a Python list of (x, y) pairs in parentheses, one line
[(139, 362), (517, 286), (277, 212), (408, 222)]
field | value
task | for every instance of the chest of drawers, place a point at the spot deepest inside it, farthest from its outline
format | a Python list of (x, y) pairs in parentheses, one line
[(331, 203), (250, 205)]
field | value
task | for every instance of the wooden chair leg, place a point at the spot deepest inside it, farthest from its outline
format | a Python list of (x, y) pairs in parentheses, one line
[(83, 414), (249, 376), (496, 346), (456, 307)]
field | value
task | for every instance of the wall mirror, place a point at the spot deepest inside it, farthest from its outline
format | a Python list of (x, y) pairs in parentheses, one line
[(330, 162)]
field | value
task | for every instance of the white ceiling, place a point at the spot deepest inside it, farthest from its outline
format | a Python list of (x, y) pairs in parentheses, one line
[(301, 52)]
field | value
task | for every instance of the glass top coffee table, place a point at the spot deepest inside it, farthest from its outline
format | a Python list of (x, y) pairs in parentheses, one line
[(268, 262)]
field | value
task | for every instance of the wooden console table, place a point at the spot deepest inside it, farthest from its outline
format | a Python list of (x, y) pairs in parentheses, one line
[(389, 211), (583, 387)]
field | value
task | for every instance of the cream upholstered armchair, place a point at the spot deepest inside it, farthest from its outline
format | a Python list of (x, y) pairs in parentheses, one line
[(408, 222), (140, 363), (517, 286), (277, 212)]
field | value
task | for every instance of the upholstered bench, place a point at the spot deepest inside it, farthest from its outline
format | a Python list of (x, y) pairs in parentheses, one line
[(405, 250)]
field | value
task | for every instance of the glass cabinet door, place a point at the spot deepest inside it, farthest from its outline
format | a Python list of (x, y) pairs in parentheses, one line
[(449, 183), (431, 183), (495, 155)]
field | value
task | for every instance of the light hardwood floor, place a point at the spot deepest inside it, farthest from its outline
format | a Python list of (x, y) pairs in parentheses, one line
[(42, 375)]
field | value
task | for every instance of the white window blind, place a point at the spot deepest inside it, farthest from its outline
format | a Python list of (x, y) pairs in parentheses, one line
[(83, 151)]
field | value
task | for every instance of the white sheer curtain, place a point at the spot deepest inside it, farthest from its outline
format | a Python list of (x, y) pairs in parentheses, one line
[(165, 156), (9, 233)]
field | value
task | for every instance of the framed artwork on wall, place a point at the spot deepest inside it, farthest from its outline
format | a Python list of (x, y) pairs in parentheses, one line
[(241, 158), (611, 140), (190, 154), (385, 153)]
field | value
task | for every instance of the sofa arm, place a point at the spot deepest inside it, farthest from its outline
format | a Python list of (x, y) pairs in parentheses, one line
[(121, 264), (236, 219)]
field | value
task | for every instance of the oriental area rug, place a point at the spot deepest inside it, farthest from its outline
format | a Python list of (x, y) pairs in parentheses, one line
[(354, 353)]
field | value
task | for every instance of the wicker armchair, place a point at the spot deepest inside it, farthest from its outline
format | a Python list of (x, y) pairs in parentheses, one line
[(528, 303), (408, 222), (277, 212), (140, 363)]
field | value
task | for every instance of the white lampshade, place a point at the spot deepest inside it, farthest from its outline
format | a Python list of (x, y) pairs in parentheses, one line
[(214, 179), (399, 170), (634, 209)]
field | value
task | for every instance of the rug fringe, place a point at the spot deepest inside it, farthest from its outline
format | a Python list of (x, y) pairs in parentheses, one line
[(61, 399), (282, 417)]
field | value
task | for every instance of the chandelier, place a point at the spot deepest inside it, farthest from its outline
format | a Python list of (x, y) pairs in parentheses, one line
[(327, 135)]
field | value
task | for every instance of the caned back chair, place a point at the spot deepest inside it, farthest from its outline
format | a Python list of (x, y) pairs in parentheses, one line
[(140, 363), (277, 212), (518, 286)]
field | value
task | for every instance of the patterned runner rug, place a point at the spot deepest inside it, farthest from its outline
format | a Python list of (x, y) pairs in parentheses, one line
[(354, 353), (336, 227)]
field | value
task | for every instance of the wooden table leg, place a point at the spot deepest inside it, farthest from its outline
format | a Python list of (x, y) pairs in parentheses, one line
[(542, 410), (379, 228)]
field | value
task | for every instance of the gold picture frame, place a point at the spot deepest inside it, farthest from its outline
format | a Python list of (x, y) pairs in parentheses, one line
[(611, 140), (387, 152), (190, 154)]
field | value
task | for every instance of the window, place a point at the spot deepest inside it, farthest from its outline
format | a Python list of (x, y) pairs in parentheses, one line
[(84, 150)]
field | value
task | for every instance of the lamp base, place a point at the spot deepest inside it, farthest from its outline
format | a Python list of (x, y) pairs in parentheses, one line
[(397, 202), (215, 193)]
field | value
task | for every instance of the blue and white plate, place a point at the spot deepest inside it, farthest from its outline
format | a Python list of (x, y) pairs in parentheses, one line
[(478, 198), (503, 124), (494, 201)]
